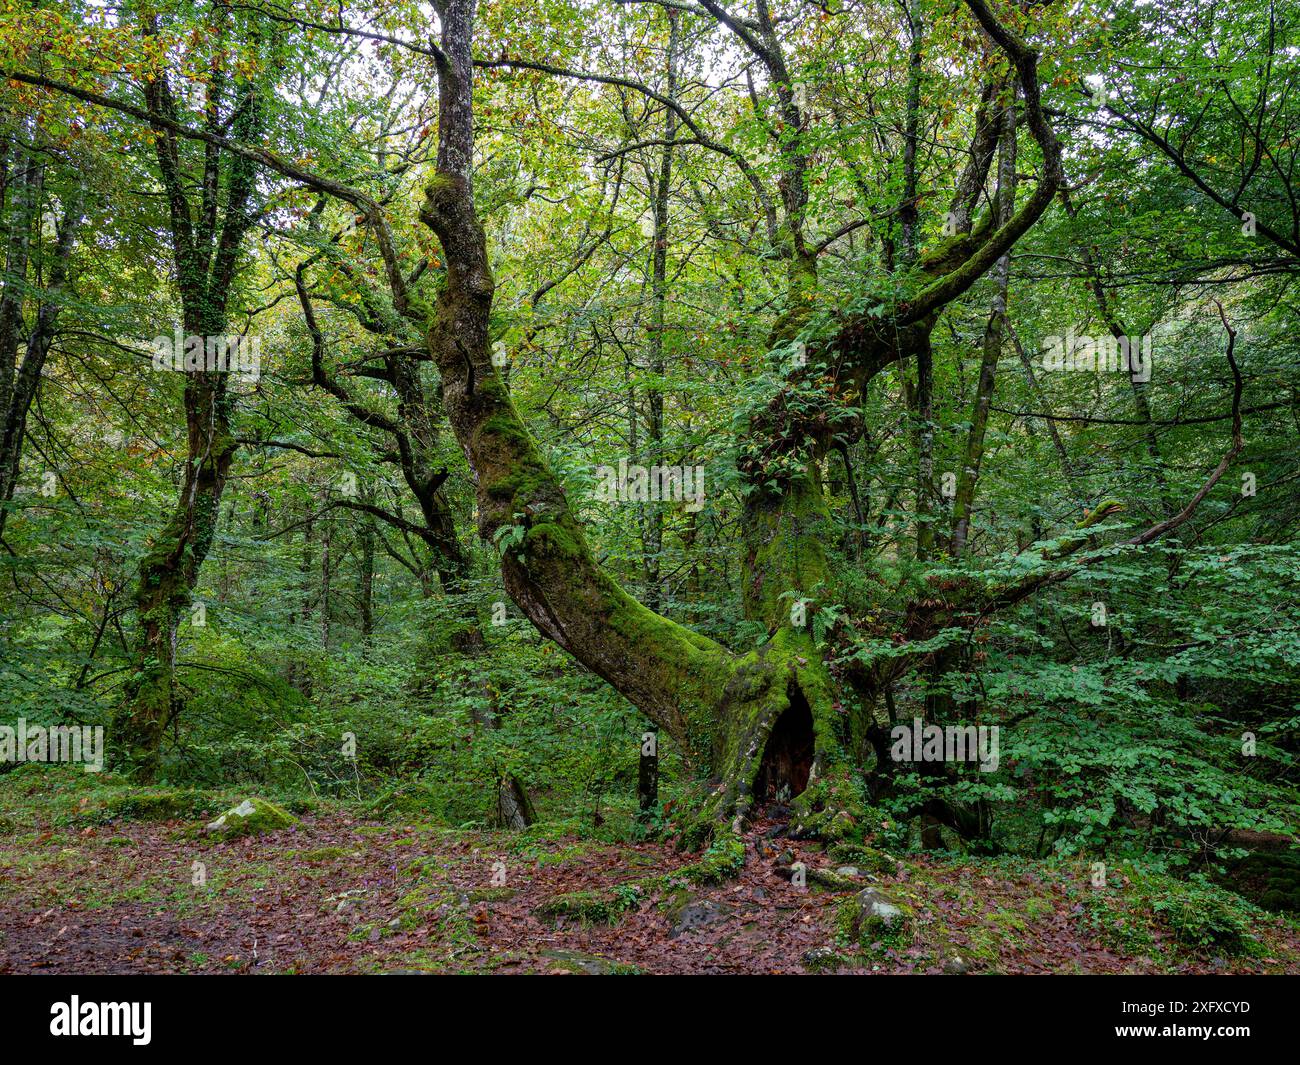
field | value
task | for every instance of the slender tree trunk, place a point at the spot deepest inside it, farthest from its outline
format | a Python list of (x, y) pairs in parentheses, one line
[(647, 776), (366, 576), (206, 239), (326, 572), (1141, 404), (652, 526), (19, 381), (994, 333)]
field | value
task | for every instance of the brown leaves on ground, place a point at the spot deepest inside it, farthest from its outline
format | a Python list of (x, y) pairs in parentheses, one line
[(336, 896)]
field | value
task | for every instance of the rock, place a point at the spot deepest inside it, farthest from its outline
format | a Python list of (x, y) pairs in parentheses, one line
[(843, 879), (589, 907), (575, 963), (955, 965), (864, 859), (344, 904), (697, 914), (250, 817), (870, 917), (822, 959), (876, 905)]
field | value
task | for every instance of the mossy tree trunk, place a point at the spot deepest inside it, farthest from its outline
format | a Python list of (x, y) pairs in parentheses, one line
[(780, 720), (207, 228), (728, 713)]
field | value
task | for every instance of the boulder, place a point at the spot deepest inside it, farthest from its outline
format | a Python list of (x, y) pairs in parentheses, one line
[(250, 817), (871, 917)]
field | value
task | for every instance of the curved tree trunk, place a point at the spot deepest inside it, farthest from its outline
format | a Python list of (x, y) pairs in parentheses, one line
[(759, 725)]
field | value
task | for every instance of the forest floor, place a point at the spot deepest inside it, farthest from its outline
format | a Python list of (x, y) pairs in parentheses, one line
[(88, 887)]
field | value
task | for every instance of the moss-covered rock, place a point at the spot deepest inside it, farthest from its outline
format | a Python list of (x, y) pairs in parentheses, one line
[(689, 914), (1141, 910), (250, 817), (863, 858), (871, 917), (492, 894), (589, 907), (1271, 879), (823, 960), (578, 964), (845, 878)]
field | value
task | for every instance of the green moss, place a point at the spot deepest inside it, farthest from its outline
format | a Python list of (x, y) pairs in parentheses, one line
[(723, 860), (571, 853), (441, 184), (324, 854), (823, 960), (1140, 910), (250, 817), (496, 894), (830, 809), (871, 919), (507, 426), (590, 907), (551, 539), (157, 804), (422, 904), (833, 880), (1272, 879), (786, 557)]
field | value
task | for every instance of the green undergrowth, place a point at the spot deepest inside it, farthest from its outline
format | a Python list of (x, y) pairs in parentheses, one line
[(1141, 912), (53, 796)]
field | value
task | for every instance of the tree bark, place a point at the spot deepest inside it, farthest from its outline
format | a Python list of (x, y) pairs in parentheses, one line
[(721, 708), (20, 378), (205, 246)]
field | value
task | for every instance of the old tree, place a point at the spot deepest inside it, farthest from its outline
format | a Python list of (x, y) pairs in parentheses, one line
[(844, 195)]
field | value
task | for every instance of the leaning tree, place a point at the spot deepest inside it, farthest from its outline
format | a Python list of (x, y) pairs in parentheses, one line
[(781, 715)]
